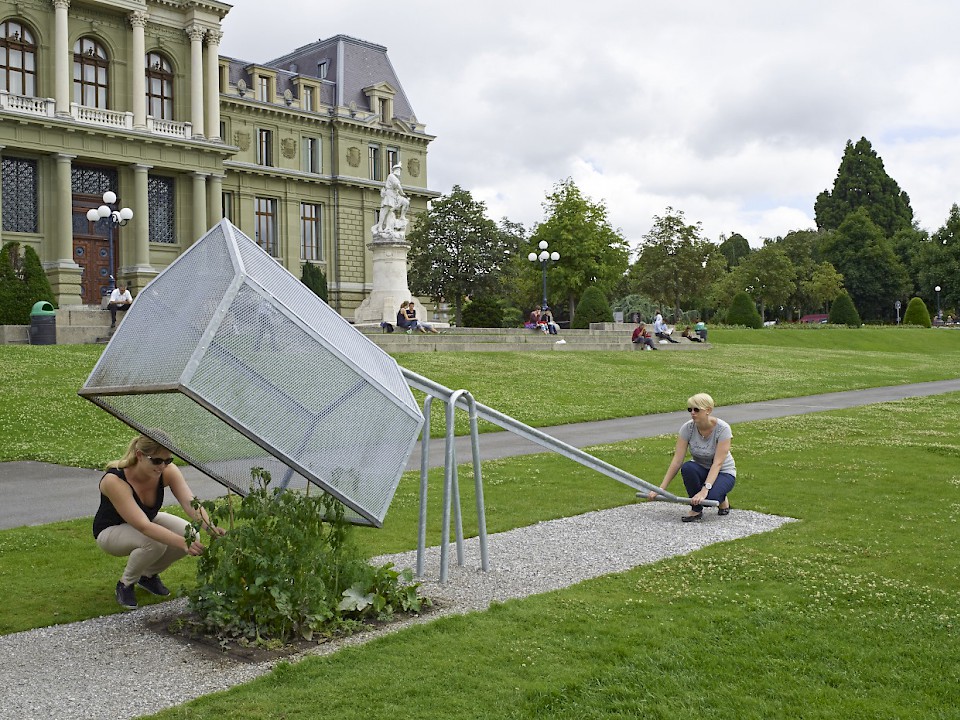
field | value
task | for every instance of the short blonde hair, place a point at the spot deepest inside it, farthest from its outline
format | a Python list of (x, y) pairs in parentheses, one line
[(702, 401)]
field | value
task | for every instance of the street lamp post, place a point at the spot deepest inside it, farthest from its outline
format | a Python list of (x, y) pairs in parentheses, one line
[(118, 218), (543, 258), (937, 288)]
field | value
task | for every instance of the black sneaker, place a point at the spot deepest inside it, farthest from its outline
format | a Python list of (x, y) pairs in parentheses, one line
[(126, 596), (153, 585)]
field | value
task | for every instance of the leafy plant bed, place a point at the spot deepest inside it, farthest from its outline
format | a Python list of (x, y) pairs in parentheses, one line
[(188, 629), (287, 569)]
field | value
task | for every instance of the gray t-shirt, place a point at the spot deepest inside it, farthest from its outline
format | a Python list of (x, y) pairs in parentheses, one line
[(703, 449)]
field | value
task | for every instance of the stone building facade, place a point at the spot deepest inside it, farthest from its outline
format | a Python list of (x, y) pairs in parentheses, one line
[(134, 97)]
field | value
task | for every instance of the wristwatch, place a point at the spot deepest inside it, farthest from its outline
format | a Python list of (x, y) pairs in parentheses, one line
[(708, 486)]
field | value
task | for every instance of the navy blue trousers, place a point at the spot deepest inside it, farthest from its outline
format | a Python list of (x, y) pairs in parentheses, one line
[(695, 475)]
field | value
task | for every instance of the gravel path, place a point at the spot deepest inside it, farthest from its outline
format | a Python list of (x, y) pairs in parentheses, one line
[(114, 667)]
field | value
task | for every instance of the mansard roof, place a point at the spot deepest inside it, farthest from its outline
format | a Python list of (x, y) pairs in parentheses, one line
[(353, 65)]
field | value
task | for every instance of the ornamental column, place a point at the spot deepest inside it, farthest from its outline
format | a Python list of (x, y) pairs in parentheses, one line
[(215, 199), (138, 83), (64, 204), (213, 84), (195, 33), (199, 205), (61, 57), (141, 219)]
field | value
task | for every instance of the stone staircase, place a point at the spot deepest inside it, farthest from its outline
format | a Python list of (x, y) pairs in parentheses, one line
[(600, 336), (76, 324), (91, 324)]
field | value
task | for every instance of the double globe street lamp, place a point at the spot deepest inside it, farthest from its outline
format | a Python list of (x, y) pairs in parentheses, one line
[(118, 218), (543, 258)]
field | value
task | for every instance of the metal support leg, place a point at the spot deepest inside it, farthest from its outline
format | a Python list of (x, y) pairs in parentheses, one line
[(424, 463)]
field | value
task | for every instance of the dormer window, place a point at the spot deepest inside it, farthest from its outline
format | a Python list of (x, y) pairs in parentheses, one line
[(322, 70), (263, 89)]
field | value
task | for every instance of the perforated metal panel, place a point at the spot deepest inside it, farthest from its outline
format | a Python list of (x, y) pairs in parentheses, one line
[(242, 366)]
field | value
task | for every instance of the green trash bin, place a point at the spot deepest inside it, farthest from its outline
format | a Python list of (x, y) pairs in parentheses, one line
[(43, 324)]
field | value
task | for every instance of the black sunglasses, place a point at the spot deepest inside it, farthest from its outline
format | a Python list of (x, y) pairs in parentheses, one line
[(159, 461), (693, 410)]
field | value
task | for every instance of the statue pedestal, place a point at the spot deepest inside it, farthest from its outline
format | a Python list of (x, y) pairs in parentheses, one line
[(389, 248)]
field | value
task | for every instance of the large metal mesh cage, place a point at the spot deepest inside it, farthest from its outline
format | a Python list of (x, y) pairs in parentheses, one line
[(239, 365)]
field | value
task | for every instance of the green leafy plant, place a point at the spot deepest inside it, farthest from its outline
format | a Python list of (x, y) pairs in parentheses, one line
[(22, 283), (843, 312), (743, 311), (917, 313), (313, 277), (287, 567), (483, 311), (593, 307)]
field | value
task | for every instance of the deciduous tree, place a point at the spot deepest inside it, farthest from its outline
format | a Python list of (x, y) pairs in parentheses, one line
[(591, 251), (675, 265), (456, 251)]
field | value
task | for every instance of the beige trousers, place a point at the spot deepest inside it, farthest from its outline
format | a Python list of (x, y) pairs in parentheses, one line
[(148, 557)]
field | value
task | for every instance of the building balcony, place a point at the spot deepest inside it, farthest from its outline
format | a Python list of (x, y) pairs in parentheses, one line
[(112, 119)]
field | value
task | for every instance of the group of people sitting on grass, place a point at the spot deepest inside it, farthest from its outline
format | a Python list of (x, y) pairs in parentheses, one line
[(664, 334)]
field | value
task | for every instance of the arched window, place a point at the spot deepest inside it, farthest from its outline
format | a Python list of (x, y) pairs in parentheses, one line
[(18, 59), (159, 86), (90, 83)]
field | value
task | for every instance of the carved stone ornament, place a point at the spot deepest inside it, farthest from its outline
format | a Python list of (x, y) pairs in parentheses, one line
[(242, 140), (353, 157), (413, 167), (288, 148)]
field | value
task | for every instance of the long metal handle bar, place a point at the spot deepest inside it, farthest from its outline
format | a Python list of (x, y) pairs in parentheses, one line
[(513, 425)]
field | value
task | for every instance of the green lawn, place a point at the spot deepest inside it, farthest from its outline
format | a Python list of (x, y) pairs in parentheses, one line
[(853, 612), (42, 418)]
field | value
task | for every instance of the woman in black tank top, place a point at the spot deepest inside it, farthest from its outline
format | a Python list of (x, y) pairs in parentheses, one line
[(129, 522)]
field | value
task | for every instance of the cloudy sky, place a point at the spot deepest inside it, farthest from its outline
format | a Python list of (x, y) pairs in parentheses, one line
[(735, 112)]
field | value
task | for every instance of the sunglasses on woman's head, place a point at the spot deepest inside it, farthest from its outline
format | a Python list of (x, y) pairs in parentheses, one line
[(159, 461), (693, 410)]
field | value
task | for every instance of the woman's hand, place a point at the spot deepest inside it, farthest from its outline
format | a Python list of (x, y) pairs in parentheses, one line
[(195, 548), (652, 495), (214, 530), (702, 495)]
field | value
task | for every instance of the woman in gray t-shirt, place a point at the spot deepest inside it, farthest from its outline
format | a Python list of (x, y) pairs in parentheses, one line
[(711, 473)]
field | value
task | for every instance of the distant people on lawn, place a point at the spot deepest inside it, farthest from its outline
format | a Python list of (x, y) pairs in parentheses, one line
[(546, 320), (533, 322), (129, 523), (661, 330), (690, 335), (120, 299), (701, 330), (642, 338), (404, 321), (412, 317), (711, 473)]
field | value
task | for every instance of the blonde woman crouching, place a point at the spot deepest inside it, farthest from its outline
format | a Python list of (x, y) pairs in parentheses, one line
[(129, 522), (711, 473)]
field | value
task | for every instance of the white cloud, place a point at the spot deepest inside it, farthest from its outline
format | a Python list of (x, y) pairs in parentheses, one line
[(736, 113)]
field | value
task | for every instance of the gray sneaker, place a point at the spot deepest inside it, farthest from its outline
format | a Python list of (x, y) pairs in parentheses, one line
[(153, 585), (126, 596)]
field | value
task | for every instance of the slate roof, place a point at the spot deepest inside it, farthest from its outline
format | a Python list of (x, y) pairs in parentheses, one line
[(352, 65)]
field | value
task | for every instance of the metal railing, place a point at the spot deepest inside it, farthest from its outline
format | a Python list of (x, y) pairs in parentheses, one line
[(451, 493)]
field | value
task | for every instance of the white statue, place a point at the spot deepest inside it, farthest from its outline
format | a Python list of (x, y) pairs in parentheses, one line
[(393, 198)]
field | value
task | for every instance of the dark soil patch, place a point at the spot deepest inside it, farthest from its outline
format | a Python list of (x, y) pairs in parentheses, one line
[(186, 629)]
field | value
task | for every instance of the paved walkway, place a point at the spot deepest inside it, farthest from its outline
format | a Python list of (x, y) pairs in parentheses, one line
[(33, 493)]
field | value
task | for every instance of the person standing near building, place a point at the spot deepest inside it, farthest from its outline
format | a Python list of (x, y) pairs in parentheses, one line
[(120, 299)]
